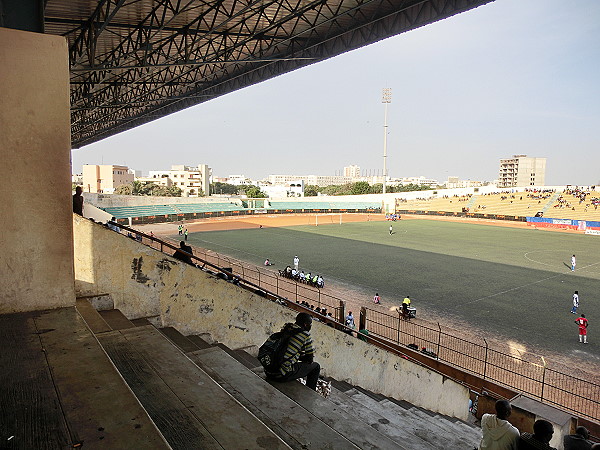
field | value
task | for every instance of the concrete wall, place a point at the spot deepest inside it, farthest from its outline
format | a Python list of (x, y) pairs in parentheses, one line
[(144, 282), (36, 261)]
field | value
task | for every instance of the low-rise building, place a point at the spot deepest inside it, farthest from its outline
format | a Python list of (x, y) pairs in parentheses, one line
[(193, 181), (104, 179)]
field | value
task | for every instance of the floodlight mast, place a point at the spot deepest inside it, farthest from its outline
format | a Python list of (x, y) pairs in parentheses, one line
[(386, 100)]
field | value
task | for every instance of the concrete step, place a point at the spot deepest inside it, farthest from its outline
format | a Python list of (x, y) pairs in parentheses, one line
[(92, 318), (141, 322), (179, 340), (297, 427), (241, 356), (116, 319), (199, 341), (401, 417), (59, 390), (345, 422), (471, 434), (442, 436), (401, 434), (190, 409)]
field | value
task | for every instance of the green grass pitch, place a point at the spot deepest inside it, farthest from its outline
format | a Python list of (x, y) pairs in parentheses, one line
[(516, 283)]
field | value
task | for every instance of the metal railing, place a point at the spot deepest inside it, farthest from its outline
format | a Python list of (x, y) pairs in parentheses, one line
[(530, 377), (536, 379)]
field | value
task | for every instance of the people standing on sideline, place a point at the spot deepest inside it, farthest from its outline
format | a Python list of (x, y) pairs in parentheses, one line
[(185, 234), (498, 433), (391, 230), (298, 359), (350, 320), (575, 302), (180, 229), (78, 201), (573, 263), (582, 323), (377, 299), (296, 262)]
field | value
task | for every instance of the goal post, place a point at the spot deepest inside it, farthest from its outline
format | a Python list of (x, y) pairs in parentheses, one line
[(328, 218)]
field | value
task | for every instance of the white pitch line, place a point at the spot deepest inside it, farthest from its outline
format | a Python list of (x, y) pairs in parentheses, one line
[(538, 251), (525, 285)]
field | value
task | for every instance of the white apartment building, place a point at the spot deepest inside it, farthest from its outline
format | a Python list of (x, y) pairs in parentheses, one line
[(104, 179), (455, 182), (239, 180), (319, 180), (193, 181), (521, 170), (421, 181), (352, 171)]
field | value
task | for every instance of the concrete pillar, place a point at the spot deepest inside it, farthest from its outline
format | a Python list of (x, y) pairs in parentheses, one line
[(36, 226)]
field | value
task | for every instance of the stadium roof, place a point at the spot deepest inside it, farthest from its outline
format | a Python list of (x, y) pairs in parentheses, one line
[(133, 61)]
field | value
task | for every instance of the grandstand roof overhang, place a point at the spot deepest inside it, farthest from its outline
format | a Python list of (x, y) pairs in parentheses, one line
[(133, 61)]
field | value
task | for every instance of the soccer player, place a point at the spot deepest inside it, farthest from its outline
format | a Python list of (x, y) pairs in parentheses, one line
[(582, 323), (573, 263), (575, 302), (391, 230)]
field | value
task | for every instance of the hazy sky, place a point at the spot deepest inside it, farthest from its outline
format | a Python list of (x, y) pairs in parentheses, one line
[(510, 77)]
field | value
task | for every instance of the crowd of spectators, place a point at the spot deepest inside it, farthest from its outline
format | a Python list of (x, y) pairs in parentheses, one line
[(580, 195)]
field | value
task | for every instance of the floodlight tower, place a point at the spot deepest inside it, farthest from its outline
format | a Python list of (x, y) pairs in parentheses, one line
[(386, 100)]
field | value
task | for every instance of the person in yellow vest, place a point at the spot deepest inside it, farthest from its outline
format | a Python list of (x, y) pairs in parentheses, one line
[(405, 306)]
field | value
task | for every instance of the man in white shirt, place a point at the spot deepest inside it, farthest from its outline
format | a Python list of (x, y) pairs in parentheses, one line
[(575, 302), (498, 433), (296, 262)]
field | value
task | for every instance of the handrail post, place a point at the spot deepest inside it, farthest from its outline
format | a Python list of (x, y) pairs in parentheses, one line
[(485, 359), (296, 283), (277, 283), (543, 378), (439, 339), (319, 291), (362, 319), (399, 322), (342, 312)]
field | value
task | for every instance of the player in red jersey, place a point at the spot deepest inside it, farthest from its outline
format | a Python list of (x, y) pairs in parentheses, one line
[(582, 323)]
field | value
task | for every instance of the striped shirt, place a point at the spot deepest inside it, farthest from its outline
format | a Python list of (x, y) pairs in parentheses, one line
[(299, 346)]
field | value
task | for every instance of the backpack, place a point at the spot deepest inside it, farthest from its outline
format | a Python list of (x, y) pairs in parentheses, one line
[(270, 354)]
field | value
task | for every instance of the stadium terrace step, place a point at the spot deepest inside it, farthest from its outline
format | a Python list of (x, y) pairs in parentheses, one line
[(59, 390), (454, 439), (94, 321), (200, 343), (423, 427), (141, 322), (116, 319), (297, 427), (190, 409), (400, 434), (182, 342), (345, 422)]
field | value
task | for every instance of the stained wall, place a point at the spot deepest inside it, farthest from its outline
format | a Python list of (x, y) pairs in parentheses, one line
[(36, 238)]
